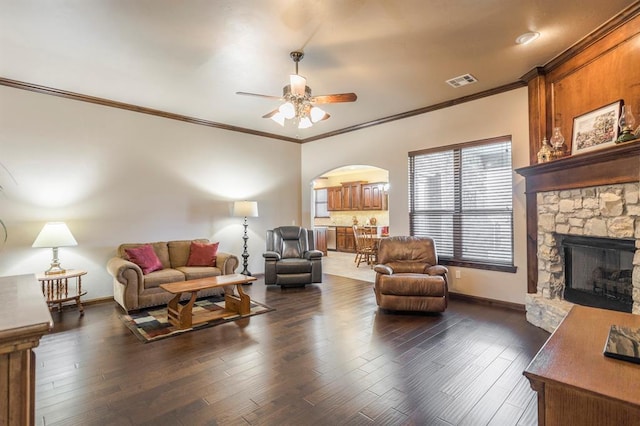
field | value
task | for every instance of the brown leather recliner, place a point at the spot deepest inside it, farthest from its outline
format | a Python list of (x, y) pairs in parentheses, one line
[(408, 277)]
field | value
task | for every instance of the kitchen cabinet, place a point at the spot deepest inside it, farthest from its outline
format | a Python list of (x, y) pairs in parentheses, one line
[(374, 197), (351, 195), (357, 196), (345, 240), (320, 239), (334, 198)]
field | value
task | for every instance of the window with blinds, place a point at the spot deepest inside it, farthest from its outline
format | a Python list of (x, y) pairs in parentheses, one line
[(321, 203), (462, 197)]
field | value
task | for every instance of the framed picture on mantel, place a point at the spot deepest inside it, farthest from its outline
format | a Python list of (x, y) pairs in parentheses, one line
[(596, 129)]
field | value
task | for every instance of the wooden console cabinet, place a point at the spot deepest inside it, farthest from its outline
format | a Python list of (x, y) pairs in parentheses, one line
[(576, 383), (24, 319)]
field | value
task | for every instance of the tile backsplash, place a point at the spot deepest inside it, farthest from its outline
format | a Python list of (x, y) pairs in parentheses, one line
[(345, 218)]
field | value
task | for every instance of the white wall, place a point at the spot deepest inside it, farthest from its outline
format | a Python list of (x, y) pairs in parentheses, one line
[(387, 146), (117, 176)]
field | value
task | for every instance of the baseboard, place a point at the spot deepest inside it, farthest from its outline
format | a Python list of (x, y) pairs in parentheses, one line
[(486, 301), (97, 301)]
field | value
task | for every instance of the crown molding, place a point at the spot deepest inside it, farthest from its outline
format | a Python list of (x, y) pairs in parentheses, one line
[(192, 120), (136, 108)]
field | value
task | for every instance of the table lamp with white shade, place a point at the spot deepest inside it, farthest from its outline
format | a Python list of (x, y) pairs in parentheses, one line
[(245, 209), (54, 235)]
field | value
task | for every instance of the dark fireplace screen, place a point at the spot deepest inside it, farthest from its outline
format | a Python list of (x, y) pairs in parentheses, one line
[(598, 272)]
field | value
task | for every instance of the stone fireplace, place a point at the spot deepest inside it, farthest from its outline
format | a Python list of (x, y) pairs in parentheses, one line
[(609, 211), (595, 194)]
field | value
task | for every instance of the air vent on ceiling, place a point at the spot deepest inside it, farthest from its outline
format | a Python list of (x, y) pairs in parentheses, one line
[(461, 80)]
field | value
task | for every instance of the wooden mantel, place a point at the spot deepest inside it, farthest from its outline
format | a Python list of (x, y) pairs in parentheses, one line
[(617, 164), (614, 165)]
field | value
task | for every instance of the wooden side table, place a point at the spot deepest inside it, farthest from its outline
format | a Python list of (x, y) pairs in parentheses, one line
[(55, 288)]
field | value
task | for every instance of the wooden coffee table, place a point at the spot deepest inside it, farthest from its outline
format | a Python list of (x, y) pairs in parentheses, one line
[(182, 316)]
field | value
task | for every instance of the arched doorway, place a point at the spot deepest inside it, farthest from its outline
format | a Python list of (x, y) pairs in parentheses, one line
[(342, 197)]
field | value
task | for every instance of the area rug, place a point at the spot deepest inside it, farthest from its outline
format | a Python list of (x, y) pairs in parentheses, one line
[(151, 324)]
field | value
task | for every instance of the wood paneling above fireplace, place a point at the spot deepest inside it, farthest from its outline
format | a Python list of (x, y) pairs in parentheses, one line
[(604, 71), (604, 68)]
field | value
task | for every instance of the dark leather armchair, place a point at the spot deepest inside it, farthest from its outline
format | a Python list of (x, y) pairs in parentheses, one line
[(408, 277), (290, 259)]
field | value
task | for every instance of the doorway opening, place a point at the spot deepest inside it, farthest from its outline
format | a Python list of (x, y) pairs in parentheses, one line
[(347, 196)]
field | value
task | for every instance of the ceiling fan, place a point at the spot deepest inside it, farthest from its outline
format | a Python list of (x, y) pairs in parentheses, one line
[(299, 104)]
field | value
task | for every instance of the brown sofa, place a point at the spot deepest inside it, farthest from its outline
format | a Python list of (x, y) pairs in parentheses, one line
[(134, 290), (408, 277)]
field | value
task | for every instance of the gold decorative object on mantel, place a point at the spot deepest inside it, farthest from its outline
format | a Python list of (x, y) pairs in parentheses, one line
[(557, 143), (545, 153)]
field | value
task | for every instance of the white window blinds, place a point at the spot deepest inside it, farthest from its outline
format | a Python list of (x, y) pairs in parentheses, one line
[(462, 198), (321, 202)]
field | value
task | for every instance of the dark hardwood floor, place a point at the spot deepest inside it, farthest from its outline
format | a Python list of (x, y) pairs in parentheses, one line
[(327, 355)]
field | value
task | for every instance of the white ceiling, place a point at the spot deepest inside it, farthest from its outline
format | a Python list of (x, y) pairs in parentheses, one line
[(190, 57)]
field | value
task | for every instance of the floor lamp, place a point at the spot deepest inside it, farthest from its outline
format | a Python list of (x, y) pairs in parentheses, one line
[(245, 209)]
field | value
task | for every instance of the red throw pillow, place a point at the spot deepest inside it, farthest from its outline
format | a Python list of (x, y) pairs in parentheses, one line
[(201, 254), (145, 258)]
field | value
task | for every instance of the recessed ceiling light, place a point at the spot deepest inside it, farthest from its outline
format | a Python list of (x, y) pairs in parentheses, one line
[(527, 38)]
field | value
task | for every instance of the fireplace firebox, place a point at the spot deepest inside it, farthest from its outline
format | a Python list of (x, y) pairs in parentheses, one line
[(598, 271)]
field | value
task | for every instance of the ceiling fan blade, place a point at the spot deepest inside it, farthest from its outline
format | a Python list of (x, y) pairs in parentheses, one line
[(330, 99), (259, 95), (271, 114)]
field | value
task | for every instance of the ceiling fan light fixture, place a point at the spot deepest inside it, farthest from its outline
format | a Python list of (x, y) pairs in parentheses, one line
[(317, 114), (298, 103), (287, 110), (298, 84), (278, 117), (304, 123)]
